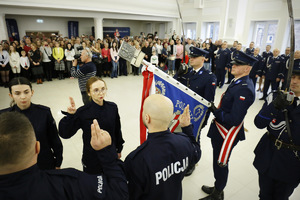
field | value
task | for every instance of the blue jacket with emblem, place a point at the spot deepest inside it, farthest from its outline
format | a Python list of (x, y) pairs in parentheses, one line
[(44, 125), (203, 83), (235, 102), (274, 68), (35, 184), (279, 164), (156, 168), (257, 67)]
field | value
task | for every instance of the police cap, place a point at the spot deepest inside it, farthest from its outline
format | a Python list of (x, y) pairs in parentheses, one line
[(196, 52), (296, 72), (240, 58)]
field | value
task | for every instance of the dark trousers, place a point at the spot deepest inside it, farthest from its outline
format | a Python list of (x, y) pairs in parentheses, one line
[(47, 67), (220, 173), (271, 189), (68, 67), (220, 74), (122, 67), (177, 63), (85, 98), (268, 82), (99, 67)]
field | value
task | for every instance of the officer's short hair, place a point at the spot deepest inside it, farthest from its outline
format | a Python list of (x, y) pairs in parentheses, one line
[(88, 53), (16, 138)]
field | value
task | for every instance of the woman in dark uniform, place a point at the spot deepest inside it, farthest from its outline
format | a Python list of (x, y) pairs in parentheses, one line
[(35, 57), (20, 91), (107, 116)]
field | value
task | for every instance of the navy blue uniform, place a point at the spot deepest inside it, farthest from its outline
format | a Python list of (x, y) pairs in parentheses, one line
[(108, 119), (222, 60), (249, 51), (285, 59), (156, 168), (46, 133), (35, 184), (265, 55), (272, 71), (203, 83), (279, 170), (232, 110), (286, 67), (256, 69)]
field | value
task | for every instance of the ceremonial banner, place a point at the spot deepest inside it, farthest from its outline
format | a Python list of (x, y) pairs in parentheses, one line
[(180, 95), (157, 81), (12, 27)]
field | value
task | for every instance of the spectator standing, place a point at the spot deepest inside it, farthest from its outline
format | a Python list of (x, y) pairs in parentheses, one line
[(69, 54), (47, 60), (179, 54), (14, 61), (114, 60), (25, 64), (35, 57), (4, 66), (106, 60), (58, 55)]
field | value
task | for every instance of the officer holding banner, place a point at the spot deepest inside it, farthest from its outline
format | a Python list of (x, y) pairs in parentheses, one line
[(227, 128), (200, 80)]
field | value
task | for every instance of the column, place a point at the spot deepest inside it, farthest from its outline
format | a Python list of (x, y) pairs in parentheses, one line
[(3, 28), (98, 24)]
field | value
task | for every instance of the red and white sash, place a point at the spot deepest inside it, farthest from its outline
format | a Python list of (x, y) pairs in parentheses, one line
[(229, 137)]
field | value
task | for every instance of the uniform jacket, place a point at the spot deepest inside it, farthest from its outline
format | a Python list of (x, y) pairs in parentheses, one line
[(235, 102), (257, 67), (223, 58), (156, 168), (203, 83), (265, 55), (249, 51), (108, 119), (279, 164), (35, 184), (274, 68), (46, 133)]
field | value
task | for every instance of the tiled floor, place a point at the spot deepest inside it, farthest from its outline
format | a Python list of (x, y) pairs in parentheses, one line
[(126, 93)]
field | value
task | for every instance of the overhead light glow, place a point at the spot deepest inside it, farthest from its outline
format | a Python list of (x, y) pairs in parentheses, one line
[(40, 21)]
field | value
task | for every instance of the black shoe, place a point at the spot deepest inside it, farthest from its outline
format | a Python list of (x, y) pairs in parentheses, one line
[(215, 195), (227, 82), (6, 85), (263, 98), (207, 189), (190, 170)]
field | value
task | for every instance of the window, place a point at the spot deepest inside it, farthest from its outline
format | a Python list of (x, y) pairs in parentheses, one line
[(264, 33), (212, 30), (190, 30), (297, 35)]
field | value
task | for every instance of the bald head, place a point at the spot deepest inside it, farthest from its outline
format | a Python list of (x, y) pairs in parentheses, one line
[(158, 112), (276, 52)]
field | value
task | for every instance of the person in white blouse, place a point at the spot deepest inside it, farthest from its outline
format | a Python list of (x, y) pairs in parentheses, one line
[(25, 64), (69, 53), (14, 61)]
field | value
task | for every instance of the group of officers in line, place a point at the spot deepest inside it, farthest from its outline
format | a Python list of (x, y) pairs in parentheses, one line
[(156, 169)]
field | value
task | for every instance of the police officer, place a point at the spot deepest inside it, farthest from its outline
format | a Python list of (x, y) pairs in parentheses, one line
[(277, 153), (273, 72), (20, 91), (265, 55), (227, 128), (222, 63), (200, 80), (230, 76), (257, 67), (20, 178), (251, 49), (156, 168)]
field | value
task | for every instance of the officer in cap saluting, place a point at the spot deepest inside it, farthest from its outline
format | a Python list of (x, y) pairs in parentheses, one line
[(200, 80), (227, 127)]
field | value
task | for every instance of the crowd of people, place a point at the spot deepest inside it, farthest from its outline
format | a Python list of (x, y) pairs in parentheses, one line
[(155, 169)]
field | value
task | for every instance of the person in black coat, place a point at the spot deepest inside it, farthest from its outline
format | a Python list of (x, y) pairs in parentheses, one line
[(20, 90), (277, 153), (107, 116), (20, 178), (147, 50)]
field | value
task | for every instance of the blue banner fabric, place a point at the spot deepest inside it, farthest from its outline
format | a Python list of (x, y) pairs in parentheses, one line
[(180, 100)]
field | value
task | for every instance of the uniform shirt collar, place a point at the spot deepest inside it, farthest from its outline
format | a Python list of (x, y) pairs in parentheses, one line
[(157, 134)]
